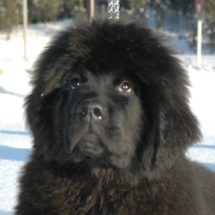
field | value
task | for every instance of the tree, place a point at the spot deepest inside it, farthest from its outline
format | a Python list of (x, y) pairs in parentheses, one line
[(159, 7), (48, 10), (210, 22), (184, 5), (125, 4), (75, 8), (138, 7), (10, 15), (32, 11)]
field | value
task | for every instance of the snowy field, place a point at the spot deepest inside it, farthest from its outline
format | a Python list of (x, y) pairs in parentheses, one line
[(15, 141)]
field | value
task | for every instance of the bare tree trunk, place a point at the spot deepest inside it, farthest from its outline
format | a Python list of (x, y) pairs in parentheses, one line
[(90, 9)]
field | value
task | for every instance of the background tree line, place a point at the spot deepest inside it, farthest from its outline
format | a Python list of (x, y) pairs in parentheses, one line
[(166, 13)]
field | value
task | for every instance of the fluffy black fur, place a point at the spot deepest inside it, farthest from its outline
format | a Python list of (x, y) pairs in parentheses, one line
[(111, 123)]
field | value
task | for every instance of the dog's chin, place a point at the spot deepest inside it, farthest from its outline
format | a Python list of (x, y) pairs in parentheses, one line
[(89, 147), (93, 151)]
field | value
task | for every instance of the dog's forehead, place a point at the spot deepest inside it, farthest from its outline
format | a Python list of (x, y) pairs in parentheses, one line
[(101, 77)]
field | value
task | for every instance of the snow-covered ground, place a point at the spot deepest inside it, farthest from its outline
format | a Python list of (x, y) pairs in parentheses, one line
[(15, 141)]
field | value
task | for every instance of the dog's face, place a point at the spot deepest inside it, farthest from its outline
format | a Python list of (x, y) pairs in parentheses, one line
[(103, 118), (111, 96)]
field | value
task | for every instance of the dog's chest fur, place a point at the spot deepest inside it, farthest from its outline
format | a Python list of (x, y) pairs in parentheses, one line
[(74, 194)]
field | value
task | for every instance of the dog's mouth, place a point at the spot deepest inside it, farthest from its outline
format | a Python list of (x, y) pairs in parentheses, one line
[(89, 146), (97, 151)]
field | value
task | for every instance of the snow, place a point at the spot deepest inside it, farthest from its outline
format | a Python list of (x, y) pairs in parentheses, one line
[(15, 140)]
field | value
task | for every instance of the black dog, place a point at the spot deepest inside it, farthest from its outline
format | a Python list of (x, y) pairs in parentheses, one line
[(111, 123)]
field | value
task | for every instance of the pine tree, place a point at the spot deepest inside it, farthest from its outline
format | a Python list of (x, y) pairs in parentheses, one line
[(139, 7), (76, 8), (48, 10), (184, 5), (125, 4), (159, 7), (10, 15), (210, 22), (32, 11)]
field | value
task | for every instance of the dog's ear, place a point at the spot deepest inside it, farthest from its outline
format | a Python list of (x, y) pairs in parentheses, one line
[(173, 128), (39, 118), (177, 130)]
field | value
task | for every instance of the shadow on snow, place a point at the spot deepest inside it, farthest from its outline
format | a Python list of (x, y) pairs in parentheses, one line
[(5, 212), (204, 146), (210, 166), (11, 93), (14, 132), (14, 154)]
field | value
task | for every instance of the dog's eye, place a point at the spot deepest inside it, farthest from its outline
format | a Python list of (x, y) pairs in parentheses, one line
[(75, 83), (125, 86)]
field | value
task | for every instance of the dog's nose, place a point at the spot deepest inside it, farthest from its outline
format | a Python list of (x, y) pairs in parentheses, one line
[(91, 111)]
